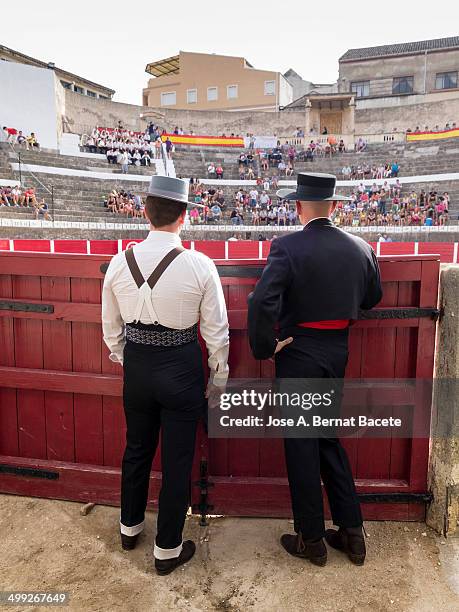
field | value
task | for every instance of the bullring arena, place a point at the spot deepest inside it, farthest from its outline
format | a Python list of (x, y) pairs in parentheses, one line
[(74, 173)]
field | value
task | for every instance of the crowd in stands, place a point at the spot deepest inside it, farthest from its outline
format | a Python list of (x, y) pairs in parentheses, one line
[(24, 198), (125, 203), (126, 147), (15, 136), (365, 171), (450, 125), (385, 205)]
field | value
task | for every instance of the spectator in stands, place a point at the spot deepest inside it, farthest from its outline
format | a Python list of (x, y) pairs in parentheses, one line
[(124, 162), (21, 139), (32, 141), (169, 147), (42, 209), (17, 196), (10, 134), (5, 196), (219, 171), (216, 212), (111, 155), (29, 197), (211, 170)]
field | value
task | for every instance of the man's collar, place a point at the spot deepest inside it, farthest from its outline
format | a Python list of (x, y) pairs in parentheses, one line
[(163, 237), (321, 220)]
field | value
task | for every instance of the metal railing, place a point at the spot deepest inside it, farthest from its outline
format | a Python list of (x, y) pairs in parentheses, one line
[(26, 167)]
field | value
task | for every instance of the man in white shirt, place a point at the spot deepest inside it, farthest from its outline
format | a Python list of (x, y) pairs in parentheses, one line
[(150, 326)]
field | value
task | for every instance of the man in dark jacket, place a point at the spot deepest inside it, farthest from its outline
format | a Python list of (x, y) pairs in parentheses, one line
[(314, 283)]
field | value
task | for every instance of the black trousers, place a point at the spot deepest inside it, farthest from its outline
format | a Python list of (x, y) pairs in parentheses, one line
[(318, 354), (163, 394)]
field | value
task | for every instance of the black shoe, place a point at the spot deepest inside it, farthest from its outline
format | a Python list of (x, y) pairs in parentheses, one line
[(128, 542), (348, 541), (315, 552), (166, 566)]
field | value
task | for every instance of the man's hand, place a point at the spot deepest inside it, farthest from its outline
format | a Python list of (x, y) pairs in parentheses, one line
[(213, 393), (282, 343)]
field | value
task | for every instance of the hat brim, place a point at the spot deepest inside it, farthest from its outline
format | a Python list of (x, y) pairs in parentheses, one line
[(288, 194)]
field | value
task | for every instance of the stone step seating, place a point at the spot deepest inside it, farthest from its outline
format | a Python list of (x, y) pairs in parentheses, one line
[(430, 157), (75, 199), (54, 159)]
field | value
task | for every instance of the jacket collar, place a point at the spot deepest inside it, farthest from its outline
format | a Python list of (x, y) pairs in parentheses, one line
[(318, 222)]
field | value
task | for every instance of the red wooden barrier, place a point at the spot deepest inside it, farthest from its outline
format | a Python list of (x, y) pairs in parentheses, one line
[(218, 249), (61, 419)]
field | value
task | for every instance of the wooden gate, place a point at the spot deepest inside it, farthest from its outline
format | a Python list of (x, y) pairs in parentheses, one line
[(61, 419)]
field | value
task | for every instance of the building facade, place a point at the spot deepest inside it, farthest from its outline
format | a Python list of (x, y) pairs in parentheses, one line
[(68, 80), (199, 81), (405, 69)]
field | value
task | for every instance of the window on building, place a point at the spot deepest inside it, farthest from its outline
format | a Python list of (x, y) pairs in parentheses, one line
[(231, 92), (107, 98), (168, 98), (270, 88), (360, 88), (402, 85), (66, 85), (191, 96), (446, 80), (78, 89), (91, 94), (212, 94)]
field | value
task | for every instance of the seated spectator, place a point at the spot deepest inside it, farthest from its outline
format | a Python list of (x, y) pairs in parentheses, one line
[(194, 216), (32, 141), (216, 212), (111, 156), (21, 139), (341, 146), (17, 196), (211, 172), (29, 197), (42, 209), (219, 172), (5, 196)]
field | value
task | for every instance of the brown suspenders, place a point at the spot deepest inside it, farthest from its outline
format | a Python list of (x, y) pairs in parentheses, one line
[(157, 272)]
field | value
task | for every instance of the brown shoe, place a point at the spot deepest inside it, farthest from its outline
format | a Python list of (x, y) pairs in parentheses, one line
[(315, 552), (349, 541), (128, 542), (166, 566)]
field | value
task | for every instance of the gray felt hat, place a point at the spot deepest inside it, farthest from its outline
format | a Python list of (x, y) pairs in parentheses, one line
[(169, 188)]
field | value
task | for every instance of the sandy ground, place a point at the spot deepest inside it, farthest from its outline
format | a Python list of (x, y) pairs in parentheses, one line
[(239, 565)]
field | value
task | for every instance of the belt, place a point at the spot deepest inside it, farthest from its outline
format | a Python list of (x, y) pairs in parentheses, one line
[(331, 324), (158, 335)]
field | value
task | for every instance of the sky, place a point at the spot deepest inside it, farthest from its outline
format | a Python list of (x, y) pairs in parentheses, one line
[(110, 42)]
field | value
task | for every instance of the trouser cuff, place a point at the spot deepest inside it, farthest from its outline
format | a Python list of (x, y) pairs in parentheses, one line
[(132, 531), (167, 553)]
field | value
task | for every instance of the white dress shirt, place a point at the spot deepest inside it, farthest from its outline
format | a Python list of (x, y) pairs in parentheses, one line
[(188, 291)]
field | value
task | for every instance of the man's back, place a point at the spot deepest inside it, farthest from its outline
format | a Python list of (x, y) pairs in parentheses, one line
[(320, 274)]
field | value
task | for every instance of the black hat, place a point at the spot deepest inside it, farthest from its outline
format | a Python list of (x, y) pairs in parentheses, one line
[(313, 187)]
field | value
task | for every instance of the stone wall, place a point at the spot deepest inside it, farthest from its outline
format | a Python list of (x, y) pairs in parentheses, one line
[(372, 116), (402, 112), (443, 514), (83, 113)]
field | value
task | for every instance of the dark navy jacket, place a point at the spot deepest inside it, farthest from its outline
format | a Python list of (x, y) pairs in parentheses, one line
[(320, 273)]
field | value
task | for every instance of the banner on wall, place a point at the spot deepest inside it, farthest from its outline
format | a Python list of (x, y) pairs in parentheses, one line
[(413, 137), (262, 142)]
